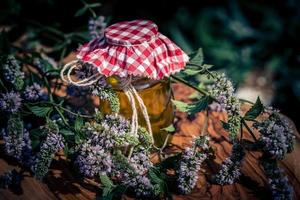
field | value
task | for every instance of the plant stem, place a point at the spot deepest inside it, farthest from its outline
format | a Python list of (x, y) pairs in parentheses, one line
[(65, 109), (188, 84), (165, 143), (248, 129), (76, 114), (91, 10), (241, 131), (62, 116), (204, 128), (2, 85), (130, 152), (48, 89)]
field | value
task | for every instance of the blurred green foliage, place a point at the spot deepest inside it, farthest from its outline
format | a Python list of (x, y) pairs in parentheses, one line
[(236, 36)]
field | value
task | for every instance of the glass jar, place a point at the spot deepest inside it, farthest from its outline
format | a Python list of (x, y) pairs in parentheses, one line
[(156, 95)]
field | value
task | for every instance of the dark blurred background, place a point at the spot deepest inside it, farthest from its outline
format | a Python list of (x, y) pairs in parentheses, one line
[(255, 42)]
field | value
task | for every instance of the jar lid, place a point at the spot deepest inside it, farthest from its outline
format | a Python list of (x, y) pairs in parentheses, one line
[(131, 33), (133, 48)]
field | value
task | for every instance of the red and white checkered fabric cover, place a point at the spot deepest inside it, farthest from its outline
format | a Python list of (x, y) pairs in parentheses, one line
[(133, 48)]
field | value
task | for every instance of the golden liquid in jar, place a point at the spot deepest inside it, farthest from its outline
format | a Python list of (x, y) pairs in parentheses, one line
[(157, 99)]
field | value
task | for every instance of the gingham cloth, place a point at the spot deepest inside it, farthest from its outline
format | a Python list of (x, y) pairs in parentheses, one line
[(133, 48)]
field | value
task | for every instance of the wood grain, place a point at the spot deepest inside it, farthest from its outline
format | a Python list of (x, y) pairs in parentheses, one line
[(61, 183)]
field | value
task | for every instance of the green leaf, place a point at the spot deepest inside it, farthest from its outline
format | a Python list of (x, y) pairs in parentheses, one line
[(181, 106), (78, 124), (118, 192), (40, 111), (105, 180), (15, 124), (170, 162), (159, 180), (35, 144), (81, 11), (66, 132), (106, 192), (255, 110), (196, 57), (170, 129), (225, 125), (192, 72), (108, 187), (122, 161), (5, 45), (199, 105), (193, 108), (19, 83), (78, 138), (113, 194), (206, 66), (94, 5), (37, 134)]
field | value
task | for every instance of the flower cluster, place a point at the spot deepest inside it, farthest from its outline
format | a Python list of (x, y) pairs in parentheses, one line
[(33, 92), (17, 145), (94, 153), (190, 164), (10, 179), (10, 102), (223, 91), (276, 135), (109, 95), (142, 185), (215, 107), (12, 73), (100, 88), (278, 183), (234, 125), (93, 159), (230, 168), (138, 179), (96, 27), (52, 144)]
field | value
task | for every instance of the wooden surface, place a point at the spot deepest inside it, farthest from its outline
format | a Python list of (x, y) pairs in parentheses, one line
[(60, 183)]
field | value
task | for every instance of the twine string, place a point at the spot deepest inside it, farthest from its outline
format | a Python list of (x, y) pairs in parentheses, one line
[(144, 111), (126, 86), (69, 68)]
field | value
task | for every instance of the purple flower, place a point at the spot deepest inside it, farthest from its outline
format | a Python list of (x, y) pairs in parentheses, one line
[(93, 160), (142, 186), (10, 179), (223, 91), (230, 168), (190, 164), (276, 135), (53, 143), (141, 162), (17, 145), (278, 183), (216, 107), (137, 179), (12, 72), (33, 92), (189, 167), (96, 27), (10, 102)]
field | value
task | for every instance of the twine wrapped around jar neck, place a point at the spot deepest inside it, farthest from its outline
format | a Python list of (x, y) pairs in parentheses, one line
[(125, 85)]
